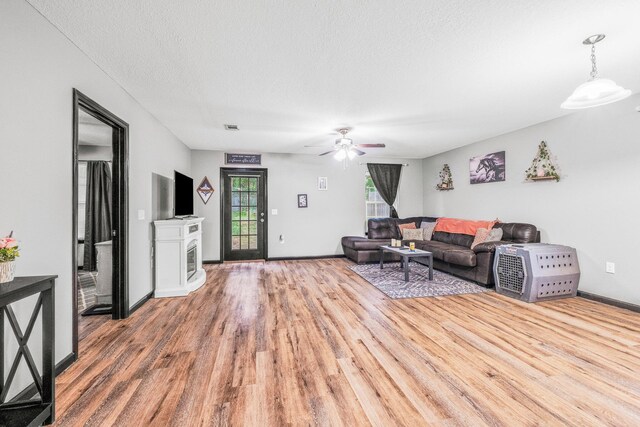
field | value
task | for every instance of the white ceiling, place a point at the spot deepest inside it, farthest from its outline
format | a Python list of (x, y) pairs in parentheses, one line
[(421, 76)]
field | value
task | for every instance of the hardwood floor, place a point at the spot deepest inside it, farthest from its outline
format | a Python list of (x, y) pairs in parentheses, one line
[(310, 342)]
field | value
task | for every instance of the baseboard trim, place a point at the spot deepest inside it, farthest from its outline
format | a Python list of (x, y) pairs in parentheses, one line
[(65, 363), (609, 301), (140, 303), (31, 390), (212, 261), (300, 258)]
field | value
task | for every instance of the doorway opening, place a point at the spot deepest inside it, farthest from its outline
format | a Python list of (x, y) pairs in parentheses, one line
[(244, 220), (100, 215)]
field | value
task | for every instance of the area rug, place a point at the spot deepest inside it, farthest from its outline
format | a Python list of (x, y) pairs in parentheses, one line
[(390, 281)]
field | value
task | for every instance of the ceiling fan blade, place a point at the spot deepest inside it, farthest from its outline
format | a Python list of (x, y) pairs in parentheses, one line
[(328, 152), (371, 145), (358, 152)]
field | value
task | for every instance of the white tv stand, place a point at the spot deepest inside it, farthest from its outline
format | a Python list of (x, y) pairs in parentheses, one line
[(176, 241)]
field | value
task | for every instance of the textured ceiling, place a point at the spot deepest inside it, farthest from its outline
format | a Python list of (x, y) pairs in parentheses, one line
[(421, 76)]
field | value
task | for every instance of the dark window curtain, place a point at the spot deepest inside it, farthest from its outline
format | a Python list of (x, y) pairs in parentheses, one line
[(98, 210), (386, 178)]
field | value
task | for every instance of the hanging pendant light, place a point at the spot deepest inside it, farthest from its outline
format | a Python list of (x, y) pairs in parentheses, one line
[(596, 91)]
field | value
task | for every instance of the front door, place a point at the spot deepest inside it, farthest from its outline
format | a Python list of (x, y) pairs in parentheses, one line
[(244, 219)]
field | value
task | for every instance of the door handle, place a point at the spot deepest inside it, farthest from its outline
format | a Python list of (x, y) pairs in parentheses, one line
[(261, 219), (261, 213)]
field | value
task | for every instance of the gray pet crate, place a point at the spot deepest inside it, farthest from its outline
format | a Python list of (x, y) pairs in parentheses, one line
[(536, 271)]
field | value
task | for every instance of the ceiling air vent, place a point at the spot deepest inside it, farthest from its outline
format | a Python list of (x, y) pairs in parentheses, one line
[(231, 127)]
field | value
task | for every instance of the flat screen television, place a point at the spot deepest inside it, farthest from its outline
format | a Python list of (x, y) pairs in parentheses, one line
[(182, 195)]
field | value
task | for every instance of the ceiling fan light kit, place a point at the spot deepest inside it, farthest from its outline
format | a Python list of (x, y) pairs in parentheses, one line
[(344, 149), (596, 91)]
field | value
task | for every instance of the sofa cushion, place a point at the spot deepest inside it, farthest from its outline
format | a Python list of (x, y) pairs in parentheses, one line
[(489, 246), (437, 248), (465, 257), (362, 243), (453, 238), (382, 228), (518, 232)]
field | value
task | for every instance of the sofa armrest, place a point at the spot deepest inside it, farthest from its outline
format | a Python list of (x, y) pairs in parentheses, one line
[(490, 246)]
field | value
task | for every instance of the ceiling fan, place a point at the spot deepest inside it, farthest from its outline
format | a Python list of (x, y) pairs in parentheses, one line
[(345, 148)]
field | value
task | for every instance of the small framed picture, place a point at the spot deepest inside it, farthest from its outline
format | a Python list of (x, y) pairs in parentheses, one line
[(323, 183), (302, 201)]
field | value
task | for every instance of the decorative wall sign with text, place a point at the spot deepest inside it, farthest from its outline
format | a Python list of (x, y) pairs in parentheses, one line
[(242, 159), (205, 190)]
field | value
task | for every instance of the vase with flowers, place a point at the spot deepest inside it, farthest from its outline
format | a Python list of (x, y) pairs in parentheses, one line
[(9, 251)]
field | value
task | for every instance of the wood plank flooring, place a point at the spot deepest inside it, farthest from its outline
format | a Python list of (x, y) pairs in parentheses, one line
[(311, 343)]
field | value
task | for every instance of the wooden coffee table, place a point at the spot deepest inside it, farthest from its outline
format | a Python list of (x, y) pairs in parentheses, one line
[(406, 255)]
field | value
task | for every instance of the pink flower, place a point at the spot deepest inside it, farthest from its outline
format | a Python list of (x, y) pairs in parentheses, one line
[(8, 242)]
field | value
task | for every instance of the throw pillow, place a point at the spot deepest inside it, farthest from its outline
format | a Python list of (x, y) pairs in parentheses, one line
[(412, 234), (481, 237), (484, 235), (427, 229), (495, 234), (402, 227)]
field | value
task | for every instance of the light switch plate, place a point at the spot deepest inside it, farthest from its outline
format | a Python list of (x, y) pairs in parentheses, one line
[(140, 214), (274, 211)]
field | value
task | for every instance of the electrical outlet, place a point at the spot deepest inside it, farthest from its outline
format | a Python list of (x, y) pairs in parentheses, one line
[(141, 214), (274, 211), (610, 267)]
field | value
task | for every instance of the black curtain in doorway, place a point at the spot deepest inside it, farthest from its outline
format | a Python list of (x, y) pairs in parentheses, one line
[(386, 178), (98, 210)]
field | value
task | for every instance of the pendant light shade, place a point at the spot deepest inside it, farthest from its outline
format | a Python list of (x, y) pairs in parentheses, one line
[(596, 91)]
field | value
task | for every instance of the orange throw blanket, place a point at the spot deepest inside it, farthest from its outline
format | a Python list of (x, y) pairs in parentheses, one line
[(462, 226)]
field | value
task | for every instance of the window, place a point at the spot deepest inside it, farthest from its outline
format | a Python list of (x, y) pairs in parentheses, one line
[(375, 207)]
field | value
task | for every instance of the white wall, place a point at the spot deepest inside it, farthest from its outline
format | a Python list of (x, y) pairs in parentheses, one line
[(95, 152), (312, 231), (595, 207), (40, 67)]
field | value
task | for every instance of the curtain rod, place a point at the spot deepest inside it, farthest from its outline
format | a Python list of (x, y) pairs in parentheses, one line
[(403, 164)]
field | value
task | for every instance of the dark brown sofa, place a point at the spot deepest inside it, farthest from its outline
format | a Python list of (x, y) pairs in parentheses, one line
[(452, 252), (380, 231)]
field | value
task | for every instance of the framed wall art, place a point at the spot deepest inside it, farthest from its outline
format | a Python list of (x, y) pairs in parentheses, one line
[(323, 183), (303, 202), (205, 190), (487, 168)]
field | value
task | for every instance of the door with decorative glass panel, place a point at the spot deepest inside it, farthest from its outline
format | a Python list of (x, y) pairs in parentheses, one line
[(244, 216)]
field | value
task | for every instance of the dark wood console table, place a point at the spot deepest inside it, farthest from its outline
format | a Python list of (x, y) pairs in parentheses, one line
[(29, 412)]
